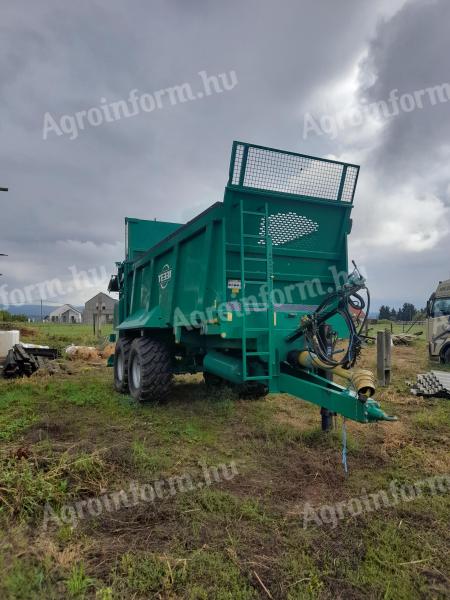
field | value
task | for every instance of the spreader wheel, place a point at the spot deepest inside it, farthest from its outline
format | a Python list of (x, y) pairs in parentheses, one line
[(121, 356), (252, 390), (446, 356), (213, 381), (149, 370)]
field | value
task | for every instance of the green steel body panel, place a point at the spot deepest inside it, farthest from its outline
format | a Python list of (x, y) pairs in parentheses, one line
[(140, 235), (191, 269), (238, 278)]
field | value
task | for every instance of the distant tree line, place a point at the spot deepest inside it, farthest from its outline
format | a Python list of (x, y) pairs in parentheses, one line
[(7, 316), (408, 312)]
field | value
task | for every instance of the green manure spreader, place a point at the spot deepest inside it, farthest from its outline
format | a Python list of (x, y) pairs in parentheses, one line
[(254, 291)]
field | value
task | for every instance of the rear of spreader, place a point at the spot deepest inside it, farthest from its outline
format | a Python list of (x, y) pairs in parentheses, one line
[(225, 292)]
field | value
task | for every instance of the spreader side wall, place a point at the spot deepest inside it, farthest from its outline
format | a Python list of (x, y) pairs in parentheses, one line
[(180, 278)]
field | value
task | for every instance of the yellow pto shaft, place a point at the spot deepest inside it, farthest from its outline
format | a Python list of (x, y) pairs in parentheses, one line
[(362, 380)]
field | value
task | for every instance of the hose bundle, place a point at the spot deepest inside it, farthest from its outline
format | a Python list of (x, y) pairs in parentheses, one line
[(313, 326), (338, 303)]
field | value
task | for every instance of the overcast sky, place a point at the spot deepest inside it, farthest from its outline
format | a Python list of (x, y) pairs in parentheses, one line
[(286, 62)]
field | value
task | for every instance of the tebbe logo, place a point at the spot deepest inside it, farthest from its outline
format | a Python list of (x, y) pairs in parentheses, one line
[(165, 276)]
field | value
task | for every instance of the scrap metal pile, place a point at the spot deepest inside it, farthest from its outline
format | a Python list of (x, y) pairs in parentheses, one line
[(434, 383), (25, 360)]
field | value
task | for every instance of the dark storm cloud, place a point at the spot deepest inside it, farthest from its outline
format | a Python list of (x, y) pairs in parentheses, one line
[(408, 162), (67, 199), (410, 52)]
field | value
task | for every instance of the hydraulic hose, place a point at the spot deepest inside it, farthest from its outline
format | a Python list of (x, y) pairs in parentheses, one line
[(316, 343), (337, 303)]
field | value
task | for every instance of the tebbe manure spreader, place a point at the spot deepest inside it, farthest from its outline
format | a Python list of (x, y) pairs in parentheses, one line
[(253, 291)]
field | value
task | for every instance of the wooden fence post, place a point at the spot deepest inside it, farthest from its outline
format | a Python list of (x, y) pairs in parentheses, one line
[(366, 327), (387, 357), (380, 357), (384, 356)]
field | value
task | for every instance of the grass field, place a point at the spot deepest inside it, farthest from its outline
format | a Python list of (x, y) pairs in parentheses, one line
[(69, 437), (58, 335), (417, 329)]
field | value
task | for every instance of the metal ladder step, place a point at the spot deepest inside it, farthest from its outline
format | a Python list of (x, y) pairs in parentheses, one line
[(253, 212), (258, 306), (265, 271), (248, 246)]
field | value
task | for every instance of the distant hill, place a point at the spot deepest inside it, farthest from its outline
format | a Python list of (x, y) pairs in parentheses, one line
[(33, 311)]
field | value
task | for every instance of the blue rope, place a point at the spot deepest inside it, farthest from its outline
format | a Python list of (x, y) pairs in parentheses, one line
[(344, 446)]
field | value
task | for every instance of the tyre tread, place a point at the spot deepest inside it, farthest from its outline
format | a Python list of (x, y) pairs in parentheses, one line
[(124, 345), (156, 370)]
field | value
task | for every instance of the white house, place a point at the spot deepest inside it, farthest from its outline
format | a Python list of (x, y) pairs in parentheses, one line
[(65, 314)]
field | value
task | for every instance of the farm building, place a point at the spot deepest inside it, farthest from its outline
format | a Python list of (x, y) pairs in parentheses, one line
[(101, 304), (65, 314)]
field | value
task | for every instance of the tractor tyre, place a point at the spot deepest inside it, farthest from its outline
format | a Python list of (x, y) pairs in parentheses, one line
[(252, 390), (213, 381), (121, 356), (446, 356), (149, 370)]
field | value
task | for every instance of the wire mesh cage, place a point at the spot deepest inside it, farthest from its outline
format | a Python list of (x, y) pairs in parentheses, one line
[(263, 168)]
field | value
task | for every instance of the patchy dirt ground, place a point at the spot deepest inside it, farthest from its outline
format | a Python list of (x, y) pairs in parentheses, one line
[(230, 534)]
